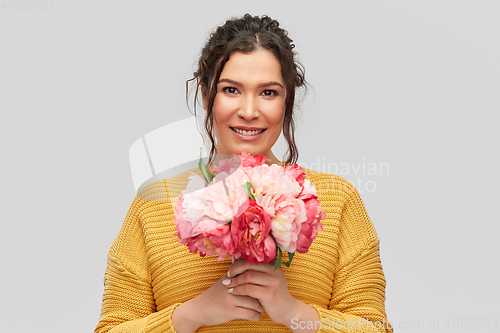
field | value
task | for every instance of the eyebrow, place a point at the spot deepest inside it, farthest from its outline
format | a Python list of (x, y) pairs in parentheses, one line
[(267, 84)]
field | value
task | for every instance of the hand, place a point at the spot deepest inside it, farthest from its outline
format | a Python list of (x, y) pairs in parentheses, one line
[(215, 306), (260, 281)]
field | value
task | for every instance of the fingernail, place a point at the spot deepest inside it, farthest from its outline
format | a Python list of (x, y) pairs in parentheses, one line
[(230, 290), (228, 274), (226, 282), (232, 260)]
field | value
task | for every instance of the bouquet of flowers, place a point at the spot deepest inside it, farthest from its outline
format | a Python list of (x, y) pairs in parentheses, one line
[(244, 207)]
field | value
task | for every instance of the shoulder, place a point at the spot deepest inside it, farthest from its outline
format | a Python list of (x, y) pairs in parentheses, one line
[(340, 198)]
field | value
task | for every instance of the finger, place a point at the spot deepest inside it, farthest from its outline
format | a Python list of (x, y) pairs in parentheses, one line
[(250, 277), (243, 313), (254, 291), (240, 266), (248, 302)]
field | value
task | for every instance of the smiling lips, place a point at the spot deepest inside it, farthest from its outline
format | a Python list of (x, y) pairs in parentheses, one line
[(248, 135), (250, 131)]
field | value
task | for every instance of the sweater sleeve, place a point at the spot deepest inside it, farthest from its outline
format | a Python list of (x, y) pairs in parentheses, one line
[(358, 293), (128, 303)]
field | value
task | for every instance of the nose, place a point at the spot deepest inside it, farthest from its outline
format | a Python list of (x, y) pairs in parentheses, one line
[(248, 108)]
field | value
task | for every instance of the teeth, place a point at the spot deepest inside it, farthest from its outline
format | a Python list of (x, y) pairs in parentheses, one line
[(247, 132)]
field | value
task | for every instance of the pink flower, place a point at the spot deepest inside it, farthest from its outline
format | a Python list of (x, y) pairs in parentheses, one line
[(296, 172), (309, 229), (210, 237), (250, 232), (225, 197), (236, 161), (227, 165), (308, 191), (272, 178), (184, 228), (248, 160), (287, 223), (270, 201)]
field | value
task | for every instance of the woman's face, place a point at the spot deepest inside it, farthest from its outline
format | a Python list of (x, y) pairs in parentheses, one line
[(250, 98)]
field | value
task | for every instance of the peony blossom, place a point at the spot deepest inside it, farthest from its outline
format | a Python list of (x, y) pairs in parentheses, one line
[(310, 228), (227, 165), (211, 238), (308, 191), (296, 172), (193, 203), (272, 178), (226, 196), (250, 232), (286, 225), (248, 160)]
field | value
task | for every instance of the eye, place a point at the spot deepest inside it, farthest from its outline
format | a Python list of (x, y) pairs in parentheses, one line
[(269, 93), (230, 90)]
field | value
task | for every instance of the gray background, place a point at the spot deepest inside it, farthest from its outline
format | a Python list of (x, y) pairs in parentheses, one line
[(411, 87)]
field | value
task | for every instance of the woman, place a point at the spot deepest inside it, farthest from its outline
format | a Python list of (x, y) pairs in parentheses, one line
[(247, 76)]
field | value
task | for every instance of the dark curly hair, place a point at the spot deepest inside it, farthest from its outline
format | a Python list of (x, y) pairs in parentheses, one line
[(247, 34)]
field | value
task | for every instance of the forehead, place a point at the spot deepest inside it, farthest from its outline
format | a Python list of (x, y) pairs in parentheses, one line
[(254, 67)]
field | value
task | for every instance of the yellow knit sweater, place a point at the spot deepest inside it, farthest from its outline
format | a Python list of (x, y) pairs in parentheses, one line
[(149, 272)]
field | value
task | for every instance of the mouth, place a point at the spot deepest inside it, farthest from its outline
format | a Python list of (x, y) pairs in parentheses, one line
[(249, 133)]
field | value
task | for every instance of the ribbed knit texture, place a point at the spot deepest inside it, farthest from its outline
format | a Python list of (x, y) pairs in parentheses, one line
[(149, 272)]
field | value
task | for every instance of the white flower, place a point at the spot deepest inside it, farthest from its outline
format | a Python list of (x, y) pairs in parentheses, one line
[(194, 204)]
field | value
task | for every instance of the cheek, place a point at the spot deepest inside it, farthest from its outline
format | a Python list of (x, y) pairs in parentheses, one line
[(222, 113), (218, 112), (276, 115), (222, 108), (277, 121)]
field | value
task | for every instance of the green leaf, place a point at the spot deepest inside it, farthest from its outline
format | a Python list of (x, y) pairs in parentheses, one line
[(278, 261), (207, 174), (248, 188), (290, 257)]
